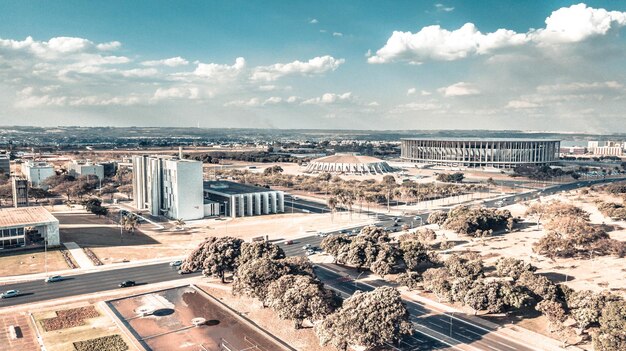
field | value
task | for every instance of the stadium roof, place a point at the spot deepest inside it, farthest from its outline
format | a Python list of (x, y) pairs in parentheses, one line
[(347, 158), (478, 139)]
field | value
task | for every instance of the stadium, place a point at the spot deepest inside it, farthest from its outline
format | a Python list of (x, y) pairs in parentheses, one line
[(479, 153), (348, 163)]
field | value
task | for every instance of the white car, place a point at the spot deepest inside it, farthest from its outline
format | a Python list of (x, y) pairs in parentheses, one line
[(306, 247), (10, 293), (310, 252), (176, 263), (54, 278)]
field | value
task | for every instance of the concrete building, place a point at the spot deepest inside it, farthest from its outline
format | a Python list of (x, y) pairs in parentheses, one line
[(348, 163), (20, 192), (27, 226), (81, 168), (609, 151), (474, 152), (5, 164), (242, 200), (168, 186), (36, 172), (573, 150)]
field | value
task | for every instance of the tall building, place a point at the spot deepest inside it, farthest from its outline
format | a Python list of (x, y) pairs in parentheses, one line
[(80, 168), (37, 172), (168, 186), (20, 192), (5, 164)]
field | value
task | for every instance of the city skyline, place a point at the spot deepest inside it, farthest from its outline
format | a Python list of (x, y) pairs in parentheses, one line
[(349, 65)]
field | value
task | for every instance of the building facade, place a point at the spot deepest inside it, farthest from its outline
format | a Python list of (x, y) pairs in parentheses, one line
[(487, 153), (37, 172), (27, 226), (243, 200), (20, 192), (81, 168), (168, 186), (5, 164)]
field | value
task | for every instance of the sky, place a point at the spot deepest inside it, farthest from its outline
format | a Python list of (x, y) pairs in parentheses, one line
[(351, 64)]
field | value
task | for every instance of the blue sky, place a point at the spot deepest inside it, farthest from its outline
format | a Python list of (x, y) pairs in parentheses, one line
[(532, 65)]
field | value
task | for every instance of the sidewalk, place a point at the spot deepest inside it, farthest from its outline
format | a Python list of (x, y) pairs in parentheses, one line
[(78, 255)]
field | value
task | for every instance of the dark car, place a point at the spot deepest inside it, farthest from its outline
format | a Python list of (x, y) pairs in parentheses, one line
[(127, 283)]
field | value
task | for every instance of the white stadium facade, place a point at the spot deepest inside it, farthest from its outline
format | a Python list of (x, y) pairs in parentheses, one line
[(479, 153), (349, 163)]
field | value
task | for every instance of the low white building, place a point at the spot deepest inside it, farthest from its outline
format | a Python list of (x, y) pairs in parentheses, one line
[(36, 172), (81, 168), (243, 200), (168, 186), (27, 226)]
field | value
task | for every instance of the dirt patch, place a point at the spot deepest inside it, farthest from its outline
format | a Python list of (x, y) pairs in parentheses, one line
[(73, 317), (31, 261)]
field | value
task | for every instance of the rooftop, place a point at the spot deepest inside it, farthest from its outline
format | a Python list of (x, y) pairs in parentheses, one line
[(232, 188), (479, 139), (24, 216)]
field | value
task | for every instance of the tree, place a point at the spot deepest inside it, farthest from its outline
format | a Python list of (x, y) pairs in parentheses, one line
[(460, 267), (215, 256), (375, 234), (437, 217), (554, 311), (300, 298), (611, 335), (253, 277), (369, 320), (512, 267), (361, 253), (386, 260), (260, 249), (336, 246), (411, 280), (542, 287), (332, 205), (180, 223), (413, 254), (100, 211), (436, 280), (273, 170), (389, 183)]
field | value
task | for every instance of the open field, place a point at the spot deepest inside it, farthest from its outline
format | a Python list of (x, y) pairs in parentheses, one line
[(86, 329), (31, 261)]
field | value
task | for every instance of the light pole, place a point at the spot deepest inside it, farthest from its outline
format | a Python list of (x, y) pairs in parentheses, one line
[(357, 278), (451, 313), (45, 252)]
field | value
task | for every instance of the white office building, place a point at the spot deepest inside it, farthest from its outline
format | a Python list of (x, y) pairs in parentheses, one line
[(27, 227), (168, 186), (37, 172), (242, 200), (81, 168)]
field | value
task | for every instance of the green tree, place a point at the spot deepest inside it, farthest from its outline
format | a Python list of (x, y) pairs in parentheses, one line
[(369, 319)]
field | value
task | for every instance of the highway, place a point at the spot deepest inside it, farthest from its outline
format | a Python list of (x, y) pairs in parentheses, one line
[(38, 290)]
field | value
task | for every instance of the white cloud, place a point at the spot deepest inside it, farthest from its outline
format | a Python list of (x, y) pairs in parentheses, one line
[(170, 62), (253, 102), (577, 23), (418, 106), (459, 89), (140, 72), (313, 21), (176, 93), (425, 93), (337, 34), (580, 86), (220, 72), (411, 91), (316, 65), (565, 25), (521, 104), (330, 98), (444, 8), (110, 46)]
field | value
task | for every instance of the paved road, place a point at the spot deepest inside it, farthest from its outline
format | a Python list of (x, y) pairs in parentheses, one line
[(87, 283), (437, 330)]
